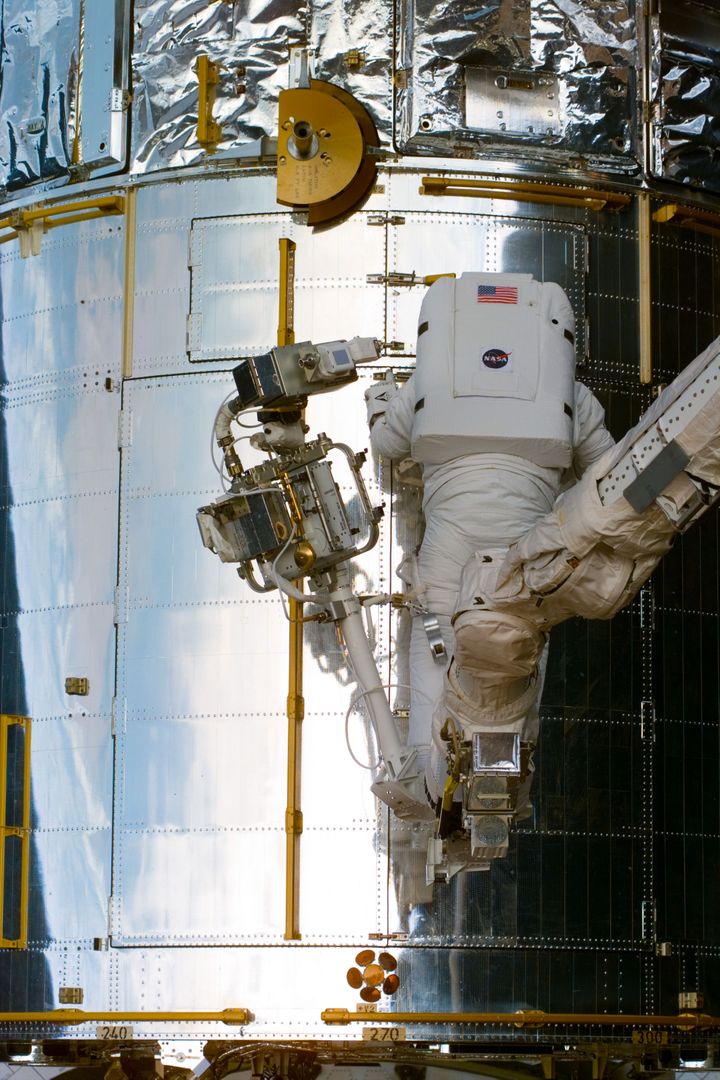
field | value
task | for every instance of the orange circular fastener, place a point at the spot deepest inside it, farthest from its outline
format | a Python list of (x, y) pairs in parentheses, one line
[(373, 975)]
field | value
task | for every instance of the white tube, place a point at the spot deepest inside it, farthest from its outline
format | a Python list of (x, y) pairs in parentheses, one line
[(366, 673), (289, 589)]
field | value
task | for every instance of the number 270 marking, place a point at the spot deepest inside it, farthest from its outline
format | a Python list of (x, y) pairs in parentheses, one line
[(383, 1034)]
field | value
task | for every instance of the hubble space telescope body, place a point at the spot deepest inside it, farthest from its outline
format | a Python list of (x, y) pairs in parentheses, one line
[(412, 308)]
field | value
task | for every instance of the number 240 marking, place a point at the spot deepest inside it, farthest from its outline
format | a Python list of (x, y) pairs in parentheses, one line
[(114, 1031)]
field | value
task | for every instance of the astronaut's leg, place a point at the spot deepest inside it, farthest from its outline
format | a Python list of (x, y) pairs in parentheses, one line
[(484, 728), (445, 550)]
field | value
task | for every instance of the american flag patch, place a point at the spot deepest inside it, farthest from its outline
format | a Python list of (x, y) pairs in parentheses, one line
[(497, 294)]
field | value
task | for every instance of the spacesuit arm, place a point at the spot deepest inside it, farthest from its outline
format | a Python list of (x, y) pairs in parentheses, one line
[(391, 433), (590, 436)]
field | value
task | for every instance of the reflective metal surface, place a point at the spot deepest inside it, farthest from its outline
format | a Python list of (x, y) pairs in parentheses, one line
[(159, 799), (39, 90), (252, 45)]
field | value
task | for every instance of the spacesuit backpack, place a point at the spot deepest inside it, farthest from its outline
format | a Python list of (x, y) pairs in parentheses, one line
[(495, 370)]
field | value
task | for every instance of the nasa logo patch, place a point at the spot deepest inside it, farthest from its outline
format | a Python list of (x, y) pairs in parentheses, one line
[(495, 358)]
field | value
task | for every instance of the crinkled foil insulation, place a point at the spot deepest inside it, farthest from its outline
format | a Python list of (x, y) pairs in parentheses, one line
[(40, 46), (588, 52), (251, 40), (542, 82), (686, 84)]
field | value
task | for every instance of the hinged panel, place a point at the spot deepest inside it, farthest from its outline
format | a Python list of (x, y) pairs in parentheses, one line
[(234, 264), (200, 718), (104, 88), (124, 429), (121, 605)]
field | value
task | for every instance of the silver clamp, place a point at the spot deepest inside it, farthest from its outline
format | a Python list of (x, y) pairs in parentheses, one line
[(434, 636)]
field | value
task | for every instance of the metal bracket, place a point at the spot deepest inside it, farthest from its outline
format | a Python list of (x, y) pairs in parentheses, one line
[(77, 684), (121, 603), (397, 278), (647, 719), (119, 99), (394, 279), (125, 429), (385, 219)]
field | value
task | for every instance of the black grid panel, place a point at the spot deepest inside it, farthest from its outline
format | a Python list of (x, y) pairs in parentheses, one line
[(503, 980), (686, 665)]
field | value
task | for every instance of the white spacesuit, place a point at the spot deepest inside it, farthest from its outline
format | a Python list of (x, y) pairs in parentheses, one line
[(499, 425)]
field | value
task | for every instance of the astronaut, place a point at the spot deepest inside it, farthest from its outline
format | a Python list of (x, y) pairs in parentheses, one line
[(499, 425)]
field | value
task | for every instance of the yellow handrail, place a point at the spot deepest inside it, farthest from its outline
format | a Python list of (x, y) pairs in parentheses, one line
[(295, 700), (56, 214), (524, 1019), (689, 217), (21, 831), (209, 132), (518, 191), (78, 1016)]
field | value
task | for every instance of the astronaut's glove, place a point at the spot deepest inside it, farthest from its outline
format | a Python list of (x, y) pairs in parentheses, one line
[(378, 395)]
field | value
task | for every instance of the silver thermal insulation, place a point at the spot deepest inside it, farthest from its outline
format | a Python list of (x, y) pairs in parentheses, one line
[(38, 89), (536, 83), (252, 42), (539, 80), (686, 93)]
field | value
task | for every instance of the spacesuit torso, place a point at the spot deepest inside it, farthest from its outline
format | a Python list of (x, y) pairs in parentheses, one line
[(495, 370)]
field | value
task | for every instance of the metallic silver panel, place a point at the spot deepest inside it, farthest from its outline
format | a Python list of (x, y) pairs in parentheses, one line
[(38, 91), (162, 278), (590, 48), (57, 642), (74, 540), (202, 685), (523, 104), (234, 263), (77, 743), (199, 769), (62, 442), (73, 865), (105, 85), (153, 903), (62, 309)]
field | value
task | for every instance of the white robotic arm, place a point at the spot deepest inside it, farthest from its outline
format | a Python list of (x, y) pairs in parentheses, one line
[(606, 535)]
